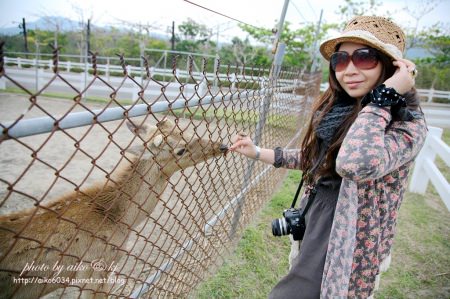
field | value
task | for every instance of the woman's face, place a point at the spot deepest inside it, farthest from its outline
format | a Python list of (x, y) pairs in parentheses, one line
[(355, 81)]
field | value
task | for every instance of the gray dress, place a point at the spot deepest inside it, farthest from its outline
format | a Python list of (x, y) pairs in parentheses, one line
[(305, 277)]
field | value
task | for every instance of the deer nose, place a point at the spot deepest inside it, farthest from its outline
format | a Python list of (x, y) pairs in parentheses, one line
[(223, 148)]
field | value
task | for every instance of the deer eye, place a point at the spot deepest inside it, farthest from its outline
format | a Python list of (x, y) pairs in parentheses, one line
[(181, 151)]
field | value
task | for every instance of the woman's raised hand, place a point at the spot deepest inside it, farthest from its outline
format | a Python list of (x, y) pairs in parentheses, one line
[(243, 145), (403, 79)]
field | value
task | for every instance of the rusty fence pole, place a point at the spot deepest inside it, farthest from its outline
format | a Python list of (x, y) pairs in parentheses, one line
[(263, 109)]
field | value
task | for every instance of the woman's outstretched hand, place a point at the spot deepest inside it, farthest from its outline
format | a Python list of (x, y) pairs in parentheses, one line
[(243, 145)]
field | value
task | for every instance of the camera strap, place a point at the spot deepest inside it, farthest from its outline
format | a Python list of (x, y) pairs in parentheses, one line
[(311, 196), (297, 193), (312, 191)]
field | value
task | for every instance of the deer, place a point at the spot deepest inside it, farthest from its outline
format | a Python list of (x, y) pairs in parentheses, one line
[(66, 239)]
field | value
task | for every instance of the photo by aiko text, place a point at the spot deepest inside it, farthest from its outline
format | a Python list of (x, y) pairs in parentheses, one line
[(30, 273)]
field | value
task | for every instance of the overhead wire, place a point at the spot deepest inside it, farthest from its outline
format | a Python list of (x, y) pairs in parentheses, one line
[(296, 8), (310, 6), (221, 14)]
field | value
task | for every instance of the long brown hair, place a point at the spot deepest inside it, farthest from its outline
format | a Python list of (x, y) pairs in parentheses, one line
[(310, 144)]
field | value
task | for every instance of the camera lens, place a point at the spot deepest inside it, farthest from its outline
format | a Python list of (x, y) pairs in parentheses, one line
[(280, 227)]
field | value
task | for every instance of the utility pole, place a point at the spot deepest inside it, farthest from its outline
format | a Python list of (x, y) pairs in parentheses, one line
[(278, 51), (24, 32), (88, 36), (217, 39), (280, 27), (86, 58), (173, 36), (278, 48)]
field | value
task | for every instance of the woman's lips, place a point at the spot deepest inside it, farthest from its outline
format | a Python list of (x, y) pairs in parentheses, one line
[(353, 84)]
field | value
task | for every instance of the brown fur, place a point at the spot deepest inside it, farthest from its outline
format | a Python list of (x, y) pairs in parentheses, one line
[(94, 224)]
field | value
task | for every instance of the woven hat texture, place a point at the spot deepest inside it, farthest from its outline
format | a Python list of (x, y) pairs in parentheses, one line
[(376, 32)]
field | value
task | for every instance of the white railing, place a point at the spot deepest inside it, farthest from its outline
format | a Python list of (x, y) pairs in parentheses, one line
[(34, 80), (37, 71), (432, 93), (426, 170), (107, 68), (437, 116)]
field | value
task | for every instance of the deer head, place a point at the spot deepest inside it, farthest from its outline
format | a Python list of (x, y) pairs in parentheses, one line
[(171, 148)]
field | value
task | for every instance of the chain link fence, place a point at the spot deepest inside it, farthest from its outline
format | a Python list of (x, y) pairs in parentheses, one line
[(125, 188)]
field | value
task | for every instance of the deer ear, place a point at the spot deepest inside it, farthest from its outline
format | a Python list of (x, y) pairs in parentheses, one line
[(165, 125), (141, 130)]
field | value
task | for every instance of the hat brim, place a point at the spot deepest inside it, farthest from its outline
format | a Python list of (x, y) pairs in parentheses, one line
[(328, 47)]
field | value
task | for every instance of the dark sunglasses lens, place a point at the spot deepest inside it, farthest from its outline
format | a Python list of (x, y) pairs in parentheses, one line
[(339, 61), (365, 59)]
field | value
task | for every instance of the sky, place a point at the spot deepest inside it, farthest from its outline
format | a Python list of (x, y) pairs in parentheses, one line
[(160, 14)]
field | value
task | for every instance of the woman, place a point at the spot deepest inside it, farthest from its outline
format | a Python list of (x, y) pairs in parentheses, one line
[(364, 134)]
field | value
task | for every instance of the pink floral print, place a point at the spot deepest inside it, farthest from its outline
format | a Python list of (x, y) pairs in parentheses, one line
[(374, 161), (373, 185)]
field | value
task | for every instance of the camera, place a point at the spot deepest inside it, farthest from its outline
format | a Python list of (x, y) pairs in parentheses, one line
[(293, 222)]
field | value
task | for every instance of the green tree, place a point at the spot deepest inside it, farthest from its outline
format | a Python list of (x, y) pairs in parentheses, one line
[(44, 38), (435, 70), (299, 42), (14, 43), (242, 52), (192, 30), (193, 37), (352, 8)]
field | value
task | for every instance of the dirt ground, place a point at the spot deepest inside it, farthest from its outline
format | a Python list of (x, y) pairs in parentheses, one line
[(44, 167)]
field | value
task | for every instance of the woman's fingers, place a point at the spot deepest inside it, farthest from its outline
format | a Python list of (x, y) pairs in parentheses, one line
[(402, 80), (243, 145), (237, 144)]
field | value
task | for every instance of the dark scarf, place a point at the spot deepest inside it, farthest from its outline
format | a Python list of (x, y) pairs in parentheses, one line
[(331, 121), (328, 126)]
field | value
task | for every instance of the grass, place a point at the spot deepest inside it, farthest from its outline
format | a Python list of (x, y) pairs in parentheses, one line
[(420, 265), (280, 121), (421, 254), (58, 96), (260, 259)]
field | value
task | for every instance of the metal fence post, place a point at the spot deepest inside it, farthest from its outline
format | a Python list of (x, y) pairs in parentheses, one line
[(39, 79), (107, 74), (264, 109)]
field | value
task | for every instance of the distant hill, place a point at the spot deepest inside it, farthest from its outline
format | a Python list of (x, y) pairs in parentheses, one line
[(65, 24), (48, 23), (415, 53)]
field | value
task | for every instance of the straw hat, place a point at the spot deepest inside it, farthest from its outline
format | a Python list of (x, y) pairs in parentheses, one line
[(376, 32)]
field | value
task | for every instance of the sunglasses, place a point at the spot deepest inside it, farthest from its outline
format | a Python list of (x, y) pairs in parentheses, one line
[(365, 59)]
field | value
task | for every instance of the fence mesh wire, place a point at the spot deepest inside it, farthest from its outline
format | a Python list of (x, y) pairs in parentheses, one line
[(140, 206)]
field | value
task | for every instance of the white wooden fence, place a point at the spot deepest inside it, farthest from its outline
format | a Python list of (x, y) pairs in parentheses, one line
[(34, 73), (107, 69), (433, 93), (426, 170), (34, 80), (437, 115)]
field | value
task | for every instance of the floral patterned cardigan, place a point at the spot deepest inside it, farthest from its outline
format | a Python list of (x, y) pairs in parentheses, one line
[(374, 161)]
